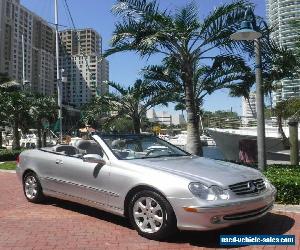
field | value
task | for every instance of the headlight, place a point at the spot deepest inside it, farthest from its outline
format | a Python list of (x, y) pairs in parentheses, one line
[(208, 193), (267, 183)]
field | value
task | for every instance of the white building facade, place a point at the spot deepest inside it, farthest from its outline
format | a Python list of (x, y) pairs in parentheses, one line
[(39, 47), (86, 71), (249, 109), (164, 117), (279, 14)]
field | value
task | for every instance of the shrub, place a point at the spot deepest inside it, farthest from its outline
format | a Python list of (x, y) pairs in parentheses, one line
[(9, 155), (286, 179)]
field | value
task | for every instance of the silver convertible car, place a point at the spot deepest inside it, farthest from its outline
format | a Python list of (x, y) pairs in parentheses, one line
[(158, 186)]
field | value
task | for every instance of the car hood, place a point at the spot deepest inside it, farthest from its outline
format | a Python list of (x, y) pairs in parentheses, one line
[(208, 171)]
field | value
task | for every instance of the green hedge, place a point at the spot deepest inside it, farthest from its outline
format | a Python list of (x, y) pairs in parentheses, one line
[(286, 179), (9, 155)]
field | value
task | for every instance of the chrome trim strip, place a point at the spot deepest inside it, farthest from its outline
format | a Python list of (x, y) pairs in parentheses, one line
[(85, 200), (82, 186)]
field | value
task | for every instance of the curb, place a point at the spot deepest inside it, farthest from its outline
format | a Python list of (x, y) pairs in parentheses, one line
[(8, 171), (286, 208)]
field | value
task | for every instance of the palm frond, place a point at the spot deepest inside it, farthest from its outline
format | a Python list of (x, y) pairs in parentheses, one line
[(221, 23), (133, 8), (118, 87)]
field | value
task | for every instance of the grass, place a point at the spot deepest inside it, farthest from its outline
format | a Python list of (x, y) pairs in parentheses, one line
[(8, 165)]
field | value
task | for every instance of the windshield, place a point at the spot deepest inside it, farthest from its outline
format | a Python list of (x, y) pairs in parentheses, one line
[(127, 147)]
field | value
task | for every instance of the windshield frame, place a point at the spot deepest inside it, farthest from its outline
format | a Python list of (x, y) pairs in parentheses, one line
[(103, 135)]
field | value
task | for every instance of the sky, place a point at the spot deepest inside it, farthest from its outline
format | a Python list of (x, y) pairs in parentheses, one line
[(125, 67)]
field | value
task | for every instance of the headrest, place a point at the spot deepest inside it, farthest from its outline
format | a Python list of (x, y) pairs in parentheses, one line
[(83, 144), (118, 143)]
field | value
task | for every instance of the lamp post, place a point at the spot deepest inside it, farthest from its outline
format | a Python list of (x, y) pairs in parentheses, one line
[(247, 32)]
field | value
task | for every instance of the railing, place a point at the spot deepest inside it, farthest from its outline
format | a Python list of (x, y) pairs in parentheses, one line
[(237, 122)]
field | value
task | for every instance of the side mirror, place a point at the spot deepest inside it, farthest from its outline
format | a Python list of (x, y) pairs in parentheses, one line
[(93, 158)]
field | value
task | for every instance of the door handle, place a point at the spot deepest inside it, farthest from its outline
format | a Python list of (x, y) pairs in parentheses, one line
[(59, 162)]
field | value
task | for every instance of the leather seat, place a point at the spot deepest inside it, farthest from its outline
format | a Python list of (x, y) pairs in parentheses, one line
[(66, 149), (89, 147)]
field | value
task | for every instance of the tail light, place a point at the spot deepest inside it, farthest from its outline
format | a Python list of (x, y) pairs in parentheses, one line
[(18, 159)]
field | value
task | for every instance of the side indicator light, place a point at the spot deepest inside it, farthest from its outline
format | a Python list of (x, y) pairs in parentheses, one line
[(191, 209)]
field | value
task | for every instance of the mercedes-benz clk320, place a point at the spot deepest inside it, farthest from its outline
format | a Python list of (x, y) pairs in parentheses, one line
[(158, 186)]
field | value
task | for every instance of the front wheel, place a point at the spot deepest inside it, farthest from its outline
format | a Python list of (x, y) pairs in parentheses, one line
[(152, 215), (32, 188)]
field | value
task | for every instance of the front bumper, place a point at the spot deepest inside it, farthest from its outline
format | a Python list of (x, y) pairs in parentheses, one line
[(195, 216)]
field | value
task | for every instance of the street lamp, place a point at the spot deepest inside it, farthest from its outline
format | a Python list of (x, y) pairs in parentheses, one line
[(247, 32)]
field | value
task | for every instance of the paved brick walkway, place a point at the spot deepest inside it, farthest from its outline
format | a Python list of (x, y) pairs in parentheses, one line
[(64, 225)]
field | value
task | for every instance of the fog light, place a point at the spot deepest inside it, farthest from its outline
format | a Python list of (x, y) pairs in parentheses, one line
[(215, 220)]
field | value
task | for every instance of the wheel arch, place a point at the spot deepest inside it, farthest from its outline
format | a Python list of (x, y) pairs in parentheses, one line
[(28, 171), (136, 189)]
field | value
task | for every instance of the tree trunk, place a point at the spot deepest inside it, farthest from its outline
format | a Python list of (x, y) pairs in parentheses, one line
[(284, 139), (44, 142), (39, 133), (1, 141), (16, 136), (201, 128), (193, 145), (136, 124), (271, 104)]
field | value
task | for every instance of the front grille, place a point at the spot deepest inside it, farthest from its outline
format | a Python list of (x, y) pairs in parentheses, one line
[(248, 214), (248, 187)]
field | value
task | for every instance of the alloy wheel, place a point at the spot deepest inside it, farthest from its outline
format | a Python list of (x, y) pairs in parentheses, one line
[(148, 214), (31, 187)]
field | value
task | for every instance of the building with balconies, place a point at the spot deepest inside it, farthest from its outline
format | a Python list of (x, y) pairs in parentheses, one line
[(280, 13), (39, 47), (86, 71)]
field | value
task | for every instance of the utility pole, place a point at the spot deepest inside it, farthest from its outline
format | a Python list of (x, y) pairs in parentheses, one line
[(260, 108), (58, 78), (248, 32), (23, 62)]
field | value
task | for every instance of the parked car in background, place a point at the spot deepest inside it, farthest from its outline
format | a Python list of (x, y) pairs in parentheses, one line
[(158, 186)]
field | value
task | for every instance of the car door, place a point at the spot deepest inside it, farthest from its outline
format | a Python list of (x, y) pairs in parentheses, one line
[(83, 180)]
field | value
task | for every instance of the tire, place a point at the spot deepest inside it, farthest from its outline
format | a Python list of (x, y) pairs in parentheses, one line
[(152, 215), (32, 188)]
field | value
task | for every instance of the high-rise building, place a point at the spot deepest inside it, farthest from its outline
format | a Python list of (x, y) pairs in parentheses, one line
[(86, 71), (249, 109), (279, 14), (39, 47)]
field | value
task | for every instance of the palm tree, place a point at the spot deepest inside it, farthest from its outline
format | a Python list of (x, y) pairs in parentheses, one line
[(284, 110), (180, 106), (278, 63), (132, 102), (224, 72), (15, 107), (243, 90), (180, 37), (3, 78), (43, 107), (95, 113)]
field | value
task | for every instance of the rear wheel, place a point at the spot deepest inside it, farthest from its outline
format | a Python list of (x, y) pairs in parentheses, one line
[(152, 215), (32, 188)]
